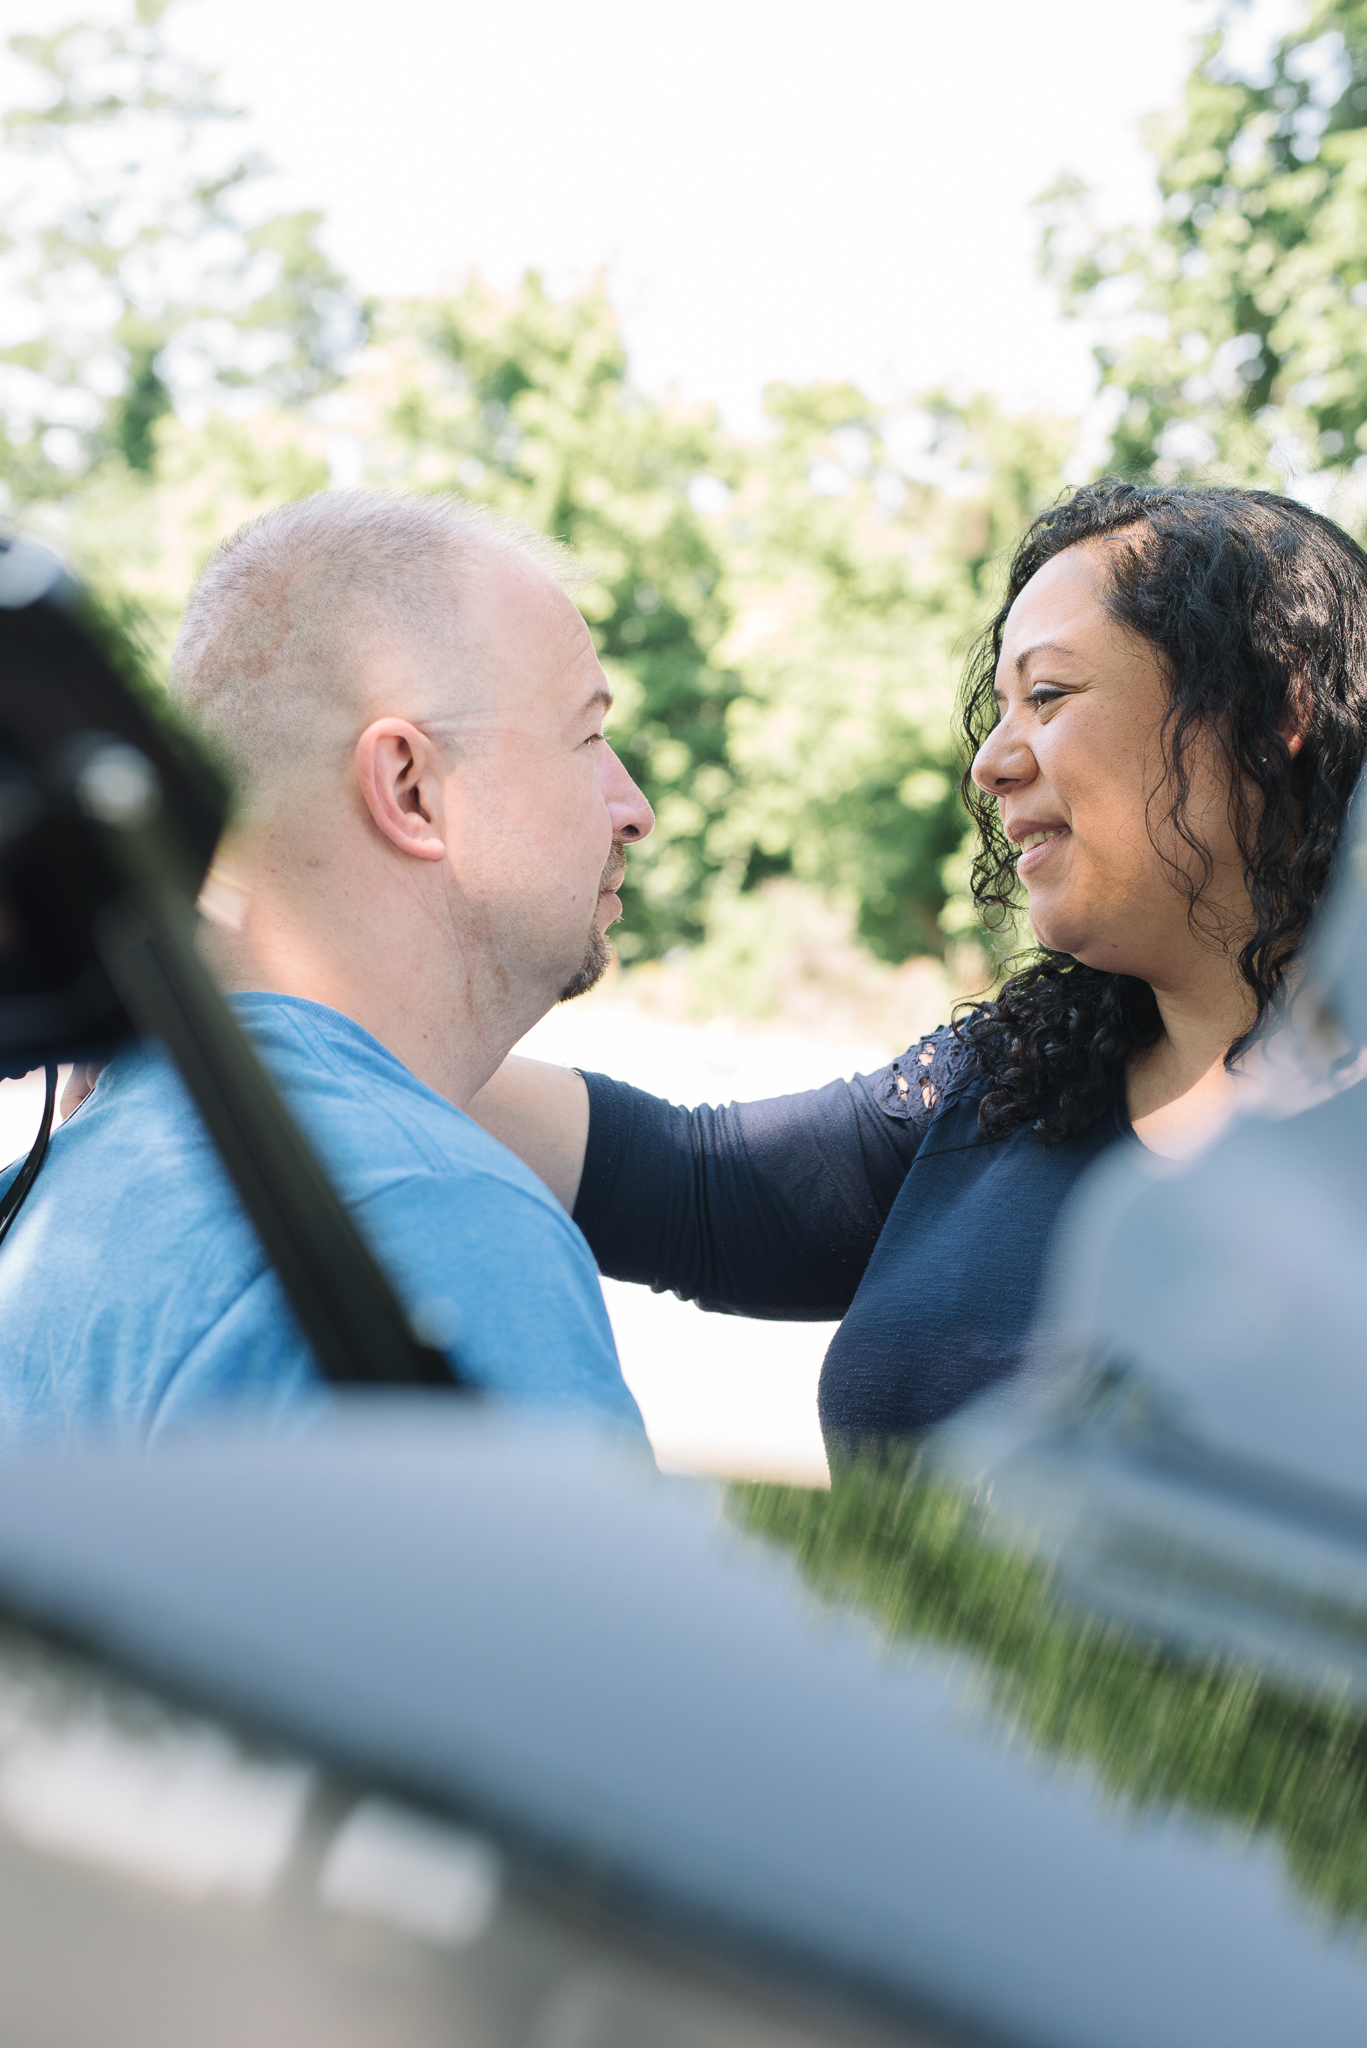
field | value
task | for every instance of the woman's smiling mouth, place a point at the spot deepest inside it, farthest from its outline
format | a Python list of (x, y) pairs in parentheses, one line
[(1034, 846)]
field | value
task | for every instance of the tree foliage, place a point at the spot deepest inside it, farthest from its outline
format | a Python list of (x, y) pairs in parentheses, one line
[(524, 402), (864, 555), (1236, 327), (142, 267), (781, 618)]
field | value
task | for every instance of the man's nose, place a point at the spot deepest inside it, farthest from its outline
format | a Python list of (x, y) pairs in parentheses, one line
[(632, 817), (1003, 762)]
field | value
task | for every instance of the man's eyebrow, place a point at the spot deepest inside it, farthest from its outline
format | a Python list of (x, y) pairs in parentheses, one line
[(1041, 647), (602, 696)]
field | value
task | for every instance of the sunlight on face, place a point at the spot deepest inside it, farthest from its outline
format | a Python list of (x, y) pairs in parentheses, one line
[(545, 808), (1076, 765)]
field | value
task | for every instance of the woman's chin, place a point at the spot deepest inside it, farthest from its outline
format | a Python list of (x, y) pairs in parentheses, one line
[(1055, 932), (1081, 943)]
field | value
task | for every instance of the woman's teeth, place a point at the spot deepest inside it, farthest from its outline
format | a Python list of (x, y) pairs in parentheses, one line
[(1034, 839)]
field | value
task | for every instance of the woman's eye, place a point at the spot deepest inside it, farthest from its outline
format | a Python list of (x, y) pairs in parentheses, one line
[(1043, 697)]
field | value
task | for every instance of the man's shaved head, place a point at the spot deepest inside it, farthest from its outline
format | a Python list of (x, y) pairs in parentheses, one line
[(435, 824), (297, 615)]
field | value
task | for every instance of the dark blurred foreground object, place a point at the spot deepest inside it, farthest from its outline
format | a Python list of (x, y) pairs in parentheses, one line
[(535, 1750), (1190, 1453), (108, 821)]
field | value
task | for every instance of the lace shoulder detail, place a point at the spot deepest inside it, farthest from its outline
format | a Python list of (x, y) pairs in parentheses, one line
[(928, 1076)]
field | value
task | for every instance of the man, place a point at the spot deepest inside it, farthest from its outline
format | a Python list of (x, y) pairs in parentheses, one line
[(431, 835)]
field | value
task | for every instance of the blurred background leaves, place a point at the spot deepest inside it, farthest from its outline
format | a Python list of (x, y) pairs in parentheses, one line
[(1237, 342)]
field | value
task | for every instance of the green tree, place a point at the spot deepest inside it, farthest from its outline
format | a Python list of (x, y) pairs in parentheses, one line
[(782, 619), (524, 402), (1235, 329), (142, 267), (858, 570)]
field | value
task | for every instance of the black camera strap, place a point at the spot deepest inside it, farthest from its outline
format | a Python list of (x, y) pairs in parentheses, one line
[(108, 819), (28, 1172)]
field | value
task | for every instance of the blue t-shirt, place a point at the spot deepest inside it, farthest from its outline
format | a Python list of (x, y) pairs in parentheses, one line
[(134, 1294)]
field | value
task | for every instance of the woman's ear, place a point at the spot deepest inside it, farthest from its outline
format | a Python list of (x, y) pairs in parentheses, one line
[(1294, 723), (396, 767)]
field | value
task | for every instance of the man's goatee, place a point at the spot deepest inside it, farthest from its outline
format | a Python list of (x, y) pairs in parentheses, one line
[(591, 969)]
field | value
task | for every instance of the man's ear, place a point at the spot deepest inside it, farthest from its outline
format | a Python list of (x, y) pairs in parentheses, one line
[(397, 769)]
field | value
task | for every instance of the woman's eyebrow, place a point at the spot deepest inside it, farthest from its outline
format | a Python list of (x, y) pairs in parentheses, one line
[(1041, 647)]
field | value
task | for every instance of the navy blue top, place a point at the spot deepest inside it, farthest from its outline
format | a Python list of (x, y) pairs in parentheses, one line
[(876, 1199)]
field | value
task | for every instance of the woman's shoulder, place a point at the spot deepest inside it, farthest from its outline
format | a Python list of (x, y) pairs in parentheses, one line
[(933, 1073)]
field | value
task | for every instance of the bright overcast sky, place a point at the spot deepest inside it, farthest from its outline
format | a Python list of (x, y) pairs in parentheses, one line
[(798, 190)]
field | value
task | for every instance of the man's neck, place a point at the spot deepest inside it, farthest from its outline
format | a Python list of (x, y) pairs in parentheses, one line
[(452, 1030)]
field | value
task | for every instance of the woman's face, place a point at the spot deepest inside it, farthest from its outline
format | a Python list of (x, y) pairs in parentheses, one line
[(1074, 764)]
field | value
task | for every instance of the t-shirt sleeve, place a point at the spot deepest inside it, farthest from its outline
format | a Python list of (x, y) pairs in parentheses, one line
[(502, 1280), (767, 1209), (494, 1275)]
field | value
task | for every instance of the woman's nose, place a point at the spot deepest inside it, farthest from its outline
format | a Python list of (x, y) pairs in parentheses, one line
[(1003, 761)]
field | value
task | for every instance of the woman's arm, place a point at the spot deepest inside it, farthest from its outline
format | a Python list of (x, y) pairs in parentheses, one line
[(540, 1112), (766, 1208)]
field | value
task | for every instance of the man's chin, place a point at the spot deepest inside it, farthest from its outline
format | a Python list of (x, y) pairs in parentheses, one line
[(591, 969)]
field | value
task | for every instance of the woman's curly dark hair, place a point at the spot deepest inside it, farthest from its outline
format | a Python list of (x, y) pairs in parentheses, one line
[(1257, 608)]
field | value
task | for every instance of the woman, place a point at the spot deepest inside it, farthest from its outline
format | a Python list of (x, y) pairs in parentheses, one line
[(1166, 720)]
